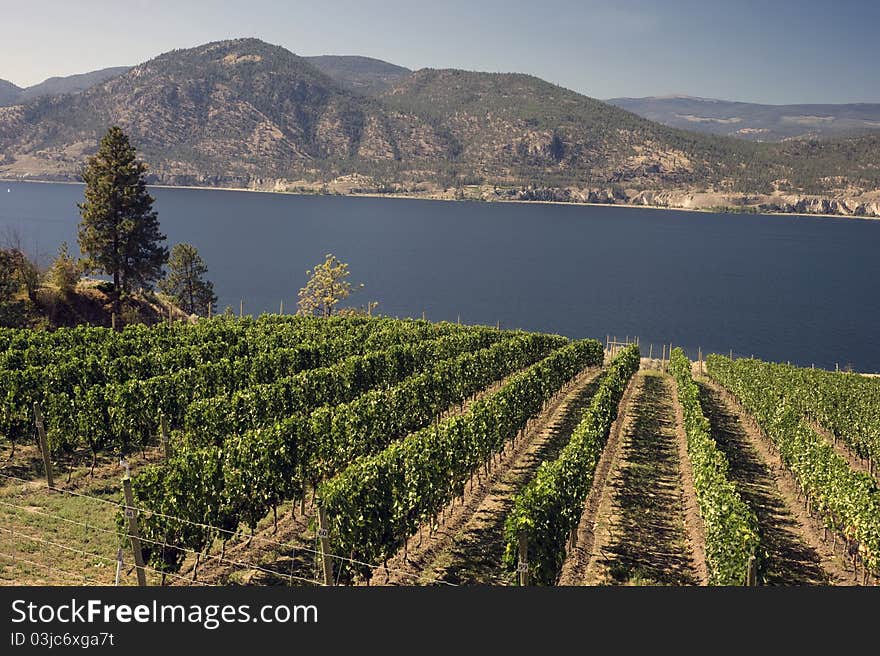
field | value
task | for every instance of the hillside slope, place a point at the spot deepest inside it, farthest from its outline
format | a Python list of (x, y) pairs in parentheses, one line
[(513, 127)]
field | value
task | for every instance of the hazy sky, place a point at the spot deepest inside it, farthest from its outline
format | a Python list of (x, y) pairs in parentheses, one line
[(774, 51)]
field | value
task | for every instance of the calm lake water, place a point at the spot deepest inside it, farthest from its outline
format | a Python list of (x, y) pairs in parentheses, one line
[(781, 288)]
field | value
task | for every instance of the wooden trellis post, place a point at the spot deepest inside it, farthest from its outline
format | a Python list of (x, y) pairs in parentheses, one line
[(522, 566), (44, 444), (324, 536), (166, 439), (133, 532), (752, 572)]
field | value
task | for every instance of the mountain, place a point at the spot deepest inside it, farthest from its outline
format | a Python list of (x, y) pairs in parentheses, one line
[(754, 121), (70, 84), (234, 111), (231, 111), (13, 95), (248, 114), (8, 92), (363, 75)]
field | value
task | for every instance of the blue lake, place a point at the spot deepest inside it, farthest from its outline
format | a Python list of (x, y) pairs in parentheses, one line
[(804, 289)]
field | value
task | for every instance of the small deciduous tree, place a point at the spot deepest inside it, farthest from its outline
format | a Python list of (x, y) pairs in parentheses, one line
[(64, 272), (328, 285), (9, 282), (186, 282), (119, 232), (25, 272)]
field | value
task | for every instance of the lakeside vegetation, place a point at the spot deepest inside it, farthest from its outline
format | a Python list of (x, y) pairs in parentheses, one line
[(118, 236)]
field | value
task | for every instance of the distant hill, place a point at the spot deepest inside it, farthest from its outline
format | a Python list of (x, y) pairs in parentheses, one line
[(12, 95), (248, 114), (754, 121), (8, 93), (71, 83), (362, 75)]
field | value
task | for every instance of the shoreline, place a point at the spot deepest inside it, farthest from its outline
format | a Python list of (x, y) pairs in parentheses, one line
[(473, 200)]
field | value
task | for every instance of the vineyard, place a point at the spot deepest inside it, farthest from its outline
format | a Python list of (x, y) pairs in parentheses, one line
[(286, 450)]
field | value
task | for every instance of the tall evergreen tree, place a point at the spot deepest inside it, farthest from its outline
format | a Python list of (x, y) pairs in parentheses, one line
[(186, 282), (119, 232)]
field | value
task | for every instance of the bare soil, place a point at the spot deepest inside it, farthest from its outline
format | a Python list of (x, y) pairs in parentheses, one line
[(575, 565), (641, 537), (70, 470), (86, 303)]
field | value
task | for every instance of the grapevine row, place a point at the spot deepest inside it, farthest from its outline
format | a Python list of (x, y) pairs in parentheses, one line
[(380, 500), (846, 404), (137, 352), (254, 406), (248, 475), (731, 528), (849, 501), (125, 415), (549, 507)]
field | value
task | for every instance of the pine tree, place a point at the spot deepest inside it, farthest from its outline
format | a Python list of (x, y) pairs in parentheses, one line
[(119, 232), (185, 281)]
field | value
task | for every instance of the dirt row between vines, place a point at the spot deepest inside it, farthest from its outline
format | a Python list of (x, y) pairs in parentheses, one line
[(797, 550), (638, 513), (577, 559), (290, 553), (468, 547)]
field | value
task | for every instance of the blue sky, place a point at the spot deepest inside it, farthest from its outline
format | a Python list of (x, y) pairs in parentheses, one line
[(774, 51)]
